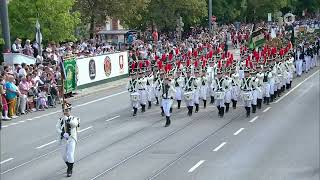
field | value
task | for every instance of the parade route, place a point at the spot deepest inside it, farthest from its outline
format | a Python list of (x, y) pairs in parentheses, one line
[(280, 141)]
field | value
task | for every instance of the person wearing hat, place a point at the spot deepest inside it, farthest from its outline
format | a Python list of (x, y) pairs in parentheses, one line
[(260, 89), (227, 89), (212, 73), (179, 84), (267, 75), (189, 91), (149, 87), (142, 85), (168, 93), (134, 95), (204, 87), (219, 93), (66, 128), (299, 59), (246, 88), (196, 85), (158, 89), (235, 89), (255, 90)]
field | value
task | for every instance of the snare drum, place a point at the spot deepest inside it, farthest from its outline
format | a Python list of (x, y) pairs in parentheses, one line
[(135, 97), (188, 95), (219, 95), (247, 96)]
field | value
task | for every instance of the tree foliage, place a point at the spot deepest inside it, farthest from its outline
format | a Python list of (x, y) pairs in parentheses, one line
[(57, 21)]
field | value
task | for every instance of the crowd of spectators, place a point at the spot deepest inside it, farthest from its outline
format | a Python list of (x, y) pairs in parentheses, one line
[(28, 88)]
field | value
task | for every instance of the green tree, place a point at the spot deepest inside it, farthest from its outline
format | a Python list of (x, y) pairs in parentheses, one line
[(57, 21)]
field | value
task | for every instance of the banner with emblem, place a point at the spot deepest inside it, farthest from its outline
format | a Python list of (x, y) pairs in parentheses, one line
[(70, 82), (257, 39)]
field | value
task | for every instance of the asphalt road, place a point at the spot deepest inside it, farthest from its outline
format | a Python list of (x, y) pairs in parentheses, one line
[(281, 141)]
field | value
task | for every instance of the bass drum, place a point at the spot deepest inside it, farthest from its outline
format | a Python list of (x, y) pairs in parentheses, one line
[(188, 96), (135, 97), (247, 96), (219, 95)]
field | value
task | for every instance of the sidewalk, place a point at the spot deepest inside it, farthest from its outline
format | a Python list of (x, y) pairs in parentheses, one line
[(96, 89)]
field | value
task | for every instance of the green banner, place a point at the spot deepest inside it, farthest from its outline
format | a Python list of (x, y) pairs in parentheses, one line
[(70, 83), (257, 39)]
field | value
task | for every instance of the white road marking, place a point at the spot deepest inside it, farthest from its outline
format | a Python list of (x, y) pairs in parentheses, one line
[(254, 119), (5, 126), (220, 146), (196, 166), (12, 124), (296, 87), (85, 129), (101, 99), (42, 146), (21, 121), (112, 118), (267, 109), (236, 133), (29, 119), (4, 161)]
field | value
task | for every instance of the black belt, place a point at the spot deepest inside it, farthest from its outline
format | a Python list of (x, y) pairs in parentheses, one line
[(253, 89), (246, 90), (142, 89)]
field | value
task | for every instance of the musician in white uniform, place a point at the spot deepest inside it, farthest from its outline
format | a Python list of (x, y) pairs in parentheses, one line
[(150, 88), (266, 85), (189, 91), (227, 89), (235, 89), (158, 89), (254, 90), (204, 87), (179, 84), (66, 128), (141, 86), (219, 93), (196, 85), (212, 69), (259, 83), (134, 95), (299, 58), (246, 90), (168, 93)]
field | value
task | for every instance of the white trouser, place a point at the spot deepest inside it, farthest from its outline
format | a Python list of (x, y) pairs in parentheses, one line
[(266, 92), (203, 92), (247, 103), (143, 96), (23, 103), (259, 91), (219, 102), (235, 90), (134, 104), (166, 104), (68, 148), (189, 102), (196, 96), (271, 88), (275, 86), (179, 93), (227, 96), (150, 93), (156, 92), (307, 59), (254, 97), (299, 67)]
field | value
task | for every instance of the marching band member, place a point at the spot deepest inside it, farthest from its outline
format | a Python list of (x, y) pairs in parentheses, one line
[(134, 95), (168, 93), (299, 58), (276, 80), (188, 91), (235, 89), (142, 85), (246, 88), (179, 84), (150, 88), (254, 90), (212, 70), (66, 128), (259, 87), (266, 85), (196, 85), (219, 93), (227, 89), (204, 87)]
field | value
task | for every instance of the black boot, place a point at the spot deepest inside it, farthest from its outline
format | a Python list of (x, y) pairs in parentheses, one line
[(189, 110), (204, 104), (149, 104), (259, 103), (69, 171), (234, 104), (287, 86), (248, 111), (211, 99), (162, 111), (271, 97), (171, 110), (254, 108), (179, 104), (290, 84), (264, 100), (135, 111), (275, 95), (168, 122), (157, 100), (143, 108), (219, 111), (222, 112), (197, 108), (268, 100), (227, 107)]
